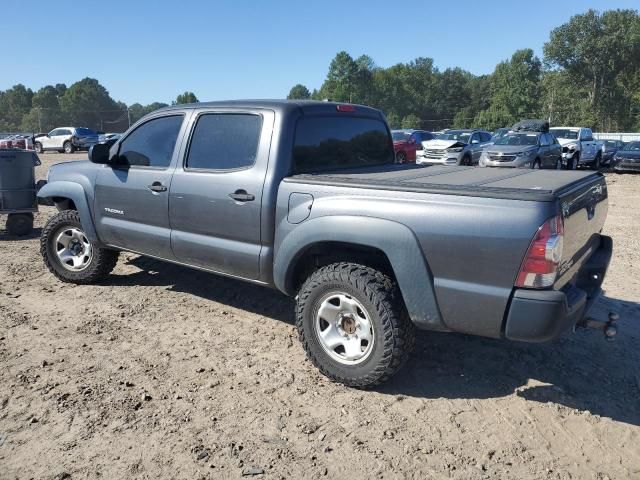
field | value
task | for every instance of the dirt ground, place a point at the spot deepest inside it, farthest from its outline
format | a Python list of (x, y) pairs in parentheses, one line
[(164, 372)]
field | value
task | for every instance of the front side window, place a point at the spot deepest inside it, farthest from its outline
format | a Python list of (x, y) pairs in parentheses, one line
[(152, 143), (224, 141), (329, 143)]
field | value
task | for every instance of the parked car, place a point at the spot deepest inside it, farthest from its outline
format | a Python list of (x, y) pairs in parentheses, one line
[(628, 158), (419, 136), (67, 140), (19, 141), (104, 137), (523, 150), (404, 146), (454, 147), (306, 197), (578, 147), (609, 149)]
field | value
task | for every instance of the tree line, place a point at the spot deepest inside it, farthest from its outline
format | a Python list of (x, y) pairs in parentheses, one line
[(589, 76), (85, 103)]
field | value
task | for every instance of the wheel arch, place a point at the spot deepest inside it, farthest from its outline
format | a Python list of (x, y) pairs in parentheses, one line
[(71, 196), (382, 244)]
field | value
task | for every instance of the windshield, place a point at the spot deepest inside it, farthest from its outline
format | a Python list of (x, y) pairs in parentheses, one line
[(399, 136), (610, 143), (565, 133), (633, 147), (85, 131), (501, 132), (518, 139), (457, 136)]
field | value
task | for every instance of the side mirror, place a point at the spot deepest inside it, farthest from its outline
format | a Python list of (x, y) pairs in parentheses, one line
[(99, 153)]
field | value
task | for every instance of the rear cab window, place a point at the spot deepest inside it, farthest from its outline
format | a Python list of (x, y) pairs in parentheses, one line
[(224, 141), (330, 143)]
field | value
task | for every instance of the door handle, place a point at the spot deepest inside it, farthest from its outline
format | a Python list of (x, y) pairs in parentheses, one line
[(157, 187), (242, 196)]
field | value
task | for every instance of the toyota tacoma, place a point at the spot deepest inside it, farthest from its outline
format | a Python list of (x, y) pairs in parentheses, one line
[(306, 198)]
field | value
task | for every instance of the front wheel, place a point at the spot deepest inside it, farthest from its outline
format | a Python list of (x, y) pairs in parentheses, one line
[(68, 147), (69, 254), (401, 157), (595, 165), (353, 324), (38, 147), (536, 164)]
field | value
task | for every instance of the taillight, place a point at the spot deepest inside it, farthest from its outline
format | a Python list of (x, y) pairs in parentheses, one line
[(540, 266), (345, 108)]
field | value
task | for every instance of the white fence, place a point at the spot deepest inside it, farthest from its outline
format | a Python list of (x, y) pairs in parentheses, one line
[(625, 137)]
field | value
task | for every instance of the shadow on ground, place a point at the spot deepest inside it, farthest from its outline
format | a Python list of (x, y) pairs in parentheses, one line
[(581, 371), (4, 235)]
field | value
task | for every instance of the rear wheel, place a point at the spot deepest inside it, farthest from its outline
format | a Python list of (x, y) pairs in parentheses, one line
[(20, 224), (401, 157), (558, 164), (466, 160), (68, 147), (70, 255), (595, 165), (353, 324)]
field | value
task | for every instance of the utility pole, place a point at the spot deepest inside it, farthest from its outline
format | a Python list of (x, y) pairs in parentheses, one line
[(129, 116), (39, 122)]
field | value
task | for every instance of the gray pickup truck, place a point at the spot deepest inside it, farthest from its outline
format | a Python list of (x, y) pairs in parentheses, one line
[(305, 197)]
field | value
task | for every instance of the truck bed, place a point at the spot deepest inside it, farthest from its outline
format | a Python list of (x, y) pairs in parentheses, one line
[(514, 184)]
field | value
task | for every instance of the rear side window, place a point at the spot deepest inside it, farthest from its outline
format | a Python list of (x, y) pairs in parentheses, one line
[(224, 141), (328, 143), (85, 131), (152, 143)]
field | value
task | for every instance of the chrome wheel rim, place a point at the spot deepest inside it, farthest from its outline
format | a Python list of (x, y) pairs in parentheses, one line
[(73, 249), (344, 328)]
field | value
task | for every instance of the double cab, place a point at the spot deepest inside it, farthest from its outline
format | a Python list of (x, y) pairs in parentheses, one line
[(306, 198)]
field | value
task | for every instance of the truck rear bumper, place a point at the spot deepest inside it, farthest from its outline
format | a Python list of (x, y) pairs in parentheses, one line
[(544, 315)]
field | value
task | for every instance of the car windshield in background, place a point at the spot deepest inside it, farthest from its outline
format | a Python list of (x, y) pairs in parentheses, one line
[(566, 134), (518, 139), (399, 136), (633, 147), (85, 131), (329, 143), (457, 136)]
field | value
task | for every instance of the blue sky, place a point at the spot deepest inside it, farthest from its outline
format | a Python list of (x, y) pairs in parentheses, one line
[(151, 51)]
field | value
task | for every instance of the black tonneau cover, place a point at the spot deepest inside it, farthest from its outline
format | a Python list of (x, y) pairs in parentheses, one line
[(515, 184)]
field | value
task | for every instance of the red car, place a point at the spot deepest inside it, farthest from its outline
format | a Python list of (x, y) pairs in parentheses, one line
[(404, 146)]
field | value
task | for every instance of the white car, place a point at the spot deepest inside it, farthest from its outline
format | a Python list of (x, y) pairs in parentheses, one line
[(578, 147), (454, 147), (67, 140)]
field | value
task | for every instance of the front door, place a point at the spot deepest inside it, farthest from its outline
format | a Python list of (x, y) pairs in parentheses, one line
[(132, 195), (215, 200)]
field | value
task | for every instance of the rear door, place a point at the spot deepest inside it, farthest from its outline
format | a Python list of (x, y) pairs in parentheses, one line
[(215, 201), (132, 199)]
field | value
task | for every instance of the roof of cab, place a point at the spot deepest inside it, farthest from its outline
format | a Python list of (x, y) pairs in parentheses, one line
[(283, 106)]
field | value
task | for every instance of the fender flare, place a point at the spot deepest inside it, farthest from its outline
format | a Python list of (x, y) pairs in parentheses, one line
[(74, 192), (396, 240)]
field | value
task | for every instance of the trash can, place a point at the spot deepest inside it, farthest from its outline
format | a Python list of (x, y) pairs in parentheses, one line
[(18, 189)]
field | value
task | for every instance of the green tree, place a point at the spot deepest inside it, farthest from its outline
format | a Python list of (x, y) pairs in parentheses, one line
[(45, 114), (341, 82), (186, 97), (87, 104), (515, 91), (393, 120), (15, 103), (601, 54), (299, 92), (411, 121)]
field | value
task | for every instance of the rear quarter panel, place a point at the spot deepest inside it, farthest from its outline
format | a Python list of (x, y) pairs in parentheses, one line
[(473, 246)]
